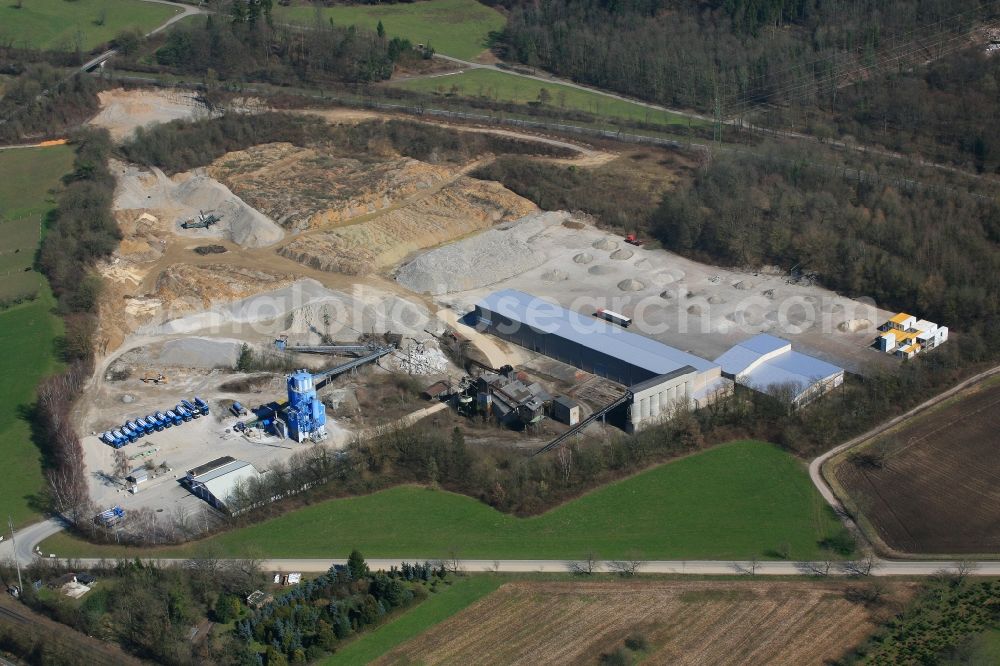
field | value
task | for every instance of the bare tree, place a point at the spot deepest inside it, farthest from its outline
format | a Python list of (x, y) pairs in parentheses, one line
[(861, 567), (748, 568), (120, 466), (585, 567), (625, 568), (452, 564), (869, 594), (565, 459), (819, 568), (964, 569)]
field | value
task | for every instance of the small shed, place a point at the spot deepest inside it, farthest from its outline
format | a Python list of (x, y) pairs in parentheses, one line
[(139, 476), (565, 410), (437, 390)]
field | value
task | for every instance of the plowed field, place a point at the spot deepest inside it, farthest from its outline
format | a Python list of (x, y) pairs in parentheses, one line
[(684, 622), (933, 485)]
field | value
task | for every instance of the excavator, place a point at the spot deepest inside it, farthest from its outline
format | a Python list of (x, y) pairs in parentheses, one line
[(202, 221), (151, 379)]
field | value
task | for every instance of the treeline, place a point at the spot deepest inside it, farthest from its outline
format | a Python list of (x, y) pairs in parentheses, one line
[(932, 251), (81, 231), (181, 145), (238, 48), (310, 620), (607, 196), (742, 51), (43, 102)]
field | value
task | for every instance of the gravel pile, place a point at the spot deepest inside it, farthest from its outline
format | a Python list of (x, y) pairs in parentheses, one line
[(493, 256), (182, 197)]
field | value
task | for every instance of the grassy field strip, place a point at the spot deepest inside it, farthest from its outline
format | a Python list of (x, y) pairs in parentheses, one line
[(735, 501), (458, 28), (65, 26), (27, 332), (510, 87), (369, 647)]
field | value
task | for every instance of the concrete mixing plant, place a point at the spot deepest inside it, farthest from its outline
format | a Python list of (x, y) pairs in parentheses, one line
[(305, 414)]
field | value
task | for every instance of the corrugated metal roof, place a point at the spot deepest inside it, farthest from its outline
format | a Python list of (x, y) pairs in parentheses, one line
[(223, 483), (790, 367), (764, 343), (591, 332), (737, 359)]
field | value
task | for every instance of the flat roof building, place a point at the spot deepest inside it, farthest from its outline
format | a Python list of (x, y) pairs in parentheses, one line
[(660, 377), (768, 364), (216, 481)]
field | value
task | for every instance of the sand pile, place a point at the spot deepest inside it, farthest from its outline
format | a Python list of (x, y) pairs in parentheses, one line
[(601, 269), (606, 244), (173, 200), (643, 264), (458, 209), (122, 111), (583, 258), (494, 255), (555, 275), (631, 285), (622, 254), (855, 325)]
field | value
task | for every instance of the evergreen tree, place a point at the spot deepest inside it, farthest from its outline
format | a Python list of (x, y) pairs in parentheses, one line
[(356, 565)]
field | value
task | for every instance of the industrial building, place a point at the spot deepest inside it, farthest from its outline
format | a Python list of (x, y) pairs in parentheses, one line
[(217, 480), (768, 364), (906, 336), (509, 399), (659, 377), (305, 414)]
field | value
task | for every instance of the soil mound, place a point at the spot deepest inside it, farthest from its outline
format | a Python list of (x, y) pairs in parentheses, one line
[(606, 244), (583, 258), (622, 254), (631, 285), (555, 275)]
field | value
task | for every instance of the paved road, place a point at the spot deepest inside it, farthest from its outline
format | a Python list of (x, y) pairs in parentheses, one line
[(682, 567)]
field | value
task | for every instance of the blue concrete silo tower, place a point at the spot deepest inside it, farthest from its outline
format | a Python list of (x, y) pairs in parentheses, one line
[(305, 413)]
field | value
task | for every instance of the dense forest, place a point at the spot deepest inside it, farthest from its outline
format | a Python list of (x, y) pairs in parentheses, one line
[(686, 54), (259, 50), (934, 251), (785, 64), (947, 111), (182, 145)]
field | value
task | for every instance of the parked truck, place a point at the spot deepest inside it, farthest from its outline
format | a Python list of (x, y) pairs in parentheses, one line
[(195, 412), (201, 405)]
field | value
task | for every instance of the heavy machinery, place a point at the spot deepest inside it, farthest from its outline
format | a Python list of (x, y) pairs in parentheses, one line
[(633, 239), (202, 221), (159, 378)]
